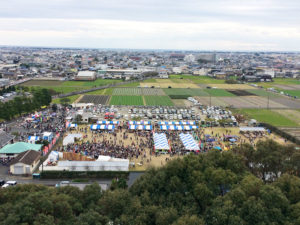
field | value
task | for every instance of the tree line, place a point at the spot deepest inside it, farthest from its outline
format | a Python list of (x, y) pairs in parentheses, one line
[(216, 188), (23, 104)]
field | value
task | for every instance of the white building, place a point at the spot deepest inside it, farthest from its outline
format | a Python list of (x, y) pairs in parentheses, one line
[(86, 75), (25, 163)]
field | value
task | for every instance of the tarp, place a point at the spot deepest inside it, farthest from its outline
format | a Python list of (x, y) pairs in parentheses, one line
[(252, 129), (160, 141), (70, 138), (189, 142)]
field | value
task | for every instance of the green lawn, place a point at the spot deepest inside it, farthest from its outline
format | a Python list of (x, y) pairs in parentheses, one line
[(219, 93), (185, 91), (126, 100), (96, 83), (127, 91), (261, 92), (134, 84), (158, 100), (72, 98), (97, 92), (293, 92), (149, 81), (268, 116)]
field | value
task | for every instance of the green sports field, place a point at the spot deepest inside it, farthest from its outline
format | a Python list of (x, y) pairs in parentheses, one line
[(126, 100), (158, 100)]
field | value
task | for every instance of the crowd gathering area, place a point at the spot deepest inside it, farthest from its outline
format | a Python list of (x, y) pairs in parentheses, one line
[(147, 143)]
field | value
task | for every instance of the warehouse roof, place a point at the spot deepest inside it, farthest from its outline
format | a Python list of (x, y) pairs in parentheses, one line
[(19, 147)]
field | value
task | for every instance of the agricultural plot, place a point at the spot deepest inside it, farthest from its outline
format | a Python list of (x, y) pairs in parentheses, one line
[(96, 99), (158, 100), (214, 101), (263, 93), (293, 115), (170, 84), (293, 92), (232, 86), (186, 91), (127, 91), (218, 93), (268, 116), (287, 86), (126, 100), (288, 102), (152, 91), (197, 79), (240, 92)]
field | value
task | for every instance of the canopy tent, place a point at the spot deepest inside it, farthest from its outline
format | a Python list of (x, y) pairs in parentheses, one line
[(252, 129), (140, 127), (189, 142), (102, 127), (72, 125), (173, 127), (107, 122), (218, 148), (139, 122), (160, 141), (177, 123), (33, 138), (71, 138)]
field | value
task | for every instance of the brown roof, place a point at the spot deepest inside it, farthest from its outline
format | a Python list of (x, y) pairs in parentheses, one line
[(27, 157)]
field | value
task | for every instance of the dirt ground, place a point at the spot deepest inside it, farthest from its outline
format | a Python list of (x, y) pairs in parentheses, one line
[(232, 86), (147, 159), (182, 103), (167, 84)]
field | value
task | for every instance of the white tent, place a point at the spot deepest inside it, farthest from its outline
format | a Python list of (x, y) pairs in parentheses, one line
[(71, 138)]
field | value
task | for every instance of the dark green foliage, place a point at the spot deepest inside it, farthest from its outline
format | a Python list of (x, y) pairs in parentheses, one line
[(23, 104), (179, 96), (213, 189)]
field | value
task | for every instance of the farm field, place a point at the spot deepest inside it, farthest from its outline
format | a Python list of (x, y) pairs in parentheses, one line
[(158, 100), (126, 100), (169, 84), (127, 91), (293, 92), (288, 102), (133, 84), (268, 116), (44, 83), (96, 99), (197, 79), (97, 92), (233, 86), (152, 91), (293, 115), (218, 92), (263, 93), (287, 86), (214, 101), (185, 91)]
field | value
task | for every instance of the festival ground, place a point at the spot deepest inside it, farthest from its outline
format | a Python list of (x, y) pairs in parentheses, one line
[(147, 158)]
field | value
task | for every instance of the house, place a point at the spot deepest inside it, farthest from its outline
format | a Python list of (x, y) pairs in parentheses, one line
[(25, 163), (13, 150)]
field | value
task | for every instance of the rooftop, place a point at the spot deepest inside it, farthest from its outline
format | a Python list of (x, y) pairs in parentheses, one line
[(19, 147)]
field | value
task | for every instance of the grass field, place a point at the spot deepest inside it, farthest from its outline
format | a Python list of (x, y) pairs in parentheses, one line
[(219, 93), (268, 116), (293, 92), (158, 100), (126, 100), (261, 92), (72, 98), (185, 91), (133, 84), (98, 92), (68, 86)]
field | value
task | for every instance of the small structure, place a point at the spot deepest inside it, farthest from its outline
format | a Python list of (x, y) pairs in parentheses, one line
[(48, 136), (86, 75), (33, 139), (25, 163), (13, 150)]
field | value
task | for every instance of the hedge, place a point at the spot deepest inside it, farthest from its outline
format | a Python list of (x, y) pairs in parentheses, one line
[(83, 174)]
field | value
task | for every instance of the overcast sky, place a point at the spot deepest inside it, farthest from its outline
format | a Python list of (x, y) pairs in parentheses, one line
[(264, 25)]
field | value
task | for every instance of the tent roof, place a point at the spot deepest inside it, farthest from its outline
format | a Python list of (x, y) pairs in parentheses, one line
[(19, 147)]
